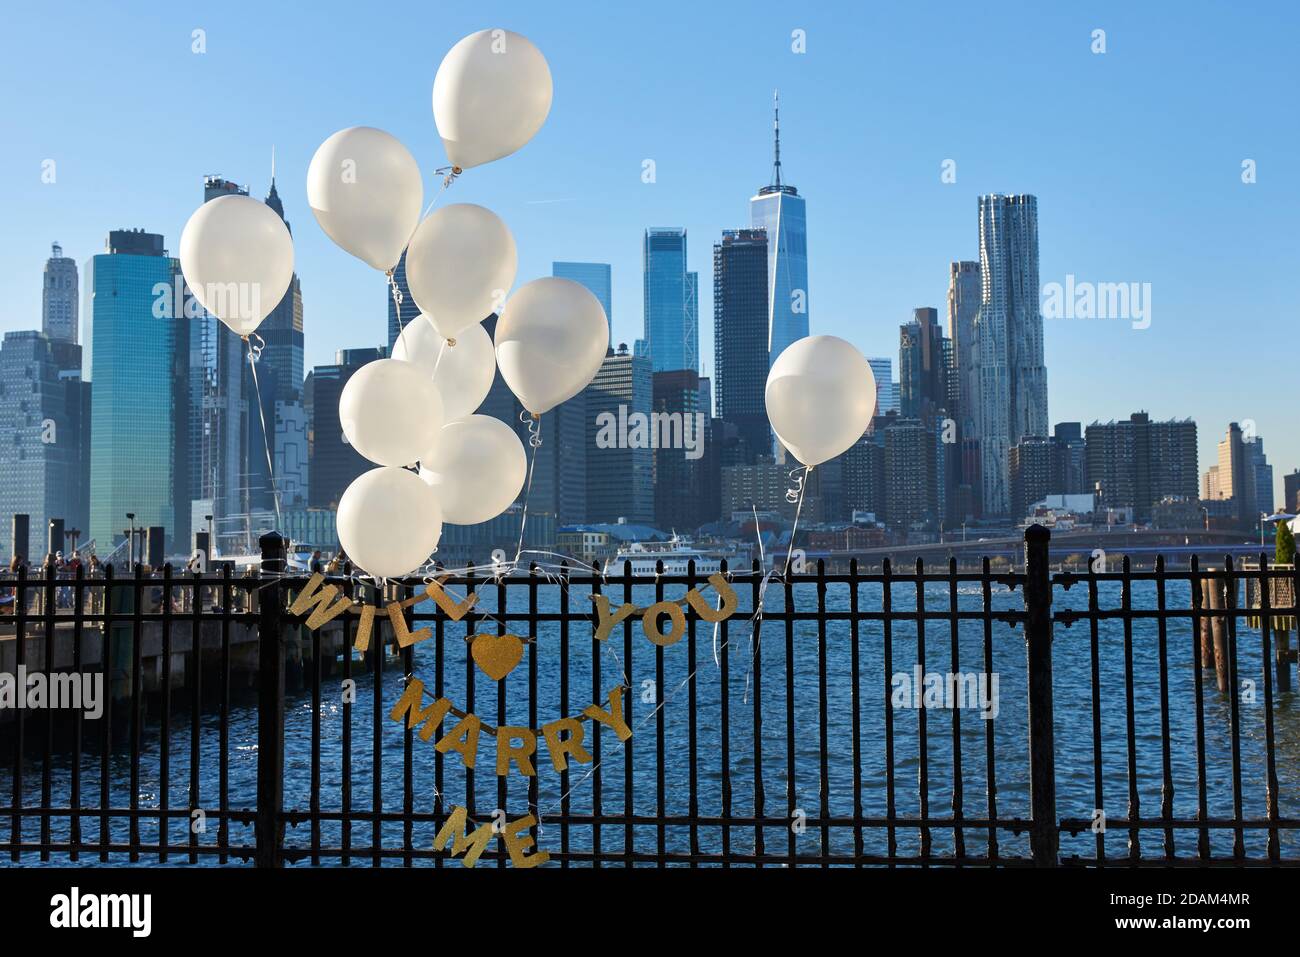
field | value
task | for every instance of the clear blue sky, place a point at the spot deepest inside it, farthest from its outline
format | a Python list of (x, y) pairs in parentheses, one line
[(1135, 156)]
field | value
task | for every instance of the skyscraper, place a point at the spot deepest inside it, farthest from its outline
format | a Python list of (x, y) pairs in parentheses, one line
[(779, 209), (887, 390), (963, 305), (595, 277), (1012, 379), (922, 374), (131, 363), (1242, 475), (59, 297), (678, 472), (620, 477), (43, 410), (740, 323), (1069, 455), (671, 336)]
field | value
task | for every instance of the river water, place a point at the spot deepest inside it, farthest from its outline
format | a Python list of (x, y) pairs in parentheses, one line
[(672, 721)]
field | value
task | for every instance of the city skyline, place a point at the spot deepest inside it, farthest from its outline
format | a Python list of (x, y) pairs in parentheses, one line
[(1109, 215)]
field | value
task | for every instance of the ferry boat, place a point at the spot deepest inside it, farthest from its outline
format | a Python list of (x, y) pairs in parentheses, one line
[(674, 553)]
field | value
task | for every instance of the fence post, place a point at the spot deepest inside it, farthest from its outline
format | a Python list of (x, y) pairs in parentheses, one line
[(1043, 835), (270, 704)]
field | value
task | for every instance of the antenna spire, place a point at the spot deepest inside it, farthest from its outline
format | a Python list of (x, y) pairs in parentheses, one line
[(776, 134), (272, 164)]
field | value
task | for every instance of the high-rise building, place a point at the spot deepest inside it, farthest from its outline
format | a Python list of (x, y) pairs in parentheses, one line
[(1242, 476), (59, 297), (44, 407), (863, 473), (680, 428), (1012, 380), (1069, 460), (1030, 465), (887, 390), (130, 360), (1291, 491), (279, 381), (963, 306), (740, 328), (1137, 463), (332, 462), (913, 475), (596, 277), (922, 375), (397, 322), (671, 330), (779, 209), (620, 468)]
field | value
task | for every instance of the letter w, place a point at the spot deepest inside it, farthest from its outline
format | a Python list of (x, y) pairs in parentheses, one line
[(319, 602)]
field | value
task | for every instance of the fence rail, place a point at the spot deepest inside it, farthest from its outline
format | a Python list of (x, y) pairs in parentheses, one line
[(927, 716)]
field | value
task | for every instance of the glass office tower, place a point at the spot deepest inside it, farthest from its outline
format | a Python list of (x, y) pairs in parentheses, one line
[(779, 210), (130, 360), (671, 337)]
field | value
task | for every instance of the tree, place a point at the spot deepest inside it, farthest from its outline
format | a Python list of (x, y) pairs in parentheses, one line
[(1285, 554)]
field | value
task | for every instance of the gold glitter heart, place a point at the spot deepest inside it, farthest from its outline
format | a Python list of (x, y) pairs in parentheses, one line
[(496, 655)]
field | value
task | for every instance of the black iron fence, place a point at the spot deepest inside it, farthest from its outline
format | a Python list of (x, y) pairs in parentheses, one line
[(905, 717)]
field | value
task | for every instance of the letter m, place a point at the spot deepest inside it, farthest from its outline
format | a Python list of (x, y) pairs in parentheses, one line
[(319, 602), (474, 842), (408, 707)]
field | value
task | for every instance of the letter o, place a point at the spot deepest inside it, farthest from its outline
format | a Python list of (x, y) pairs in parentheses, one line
[(650, 623)]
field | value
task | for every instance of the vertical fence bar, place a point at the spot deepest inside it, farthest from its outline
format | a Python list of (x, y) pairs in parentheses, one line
[(196, 700), (1230, 627), (959, 837), (1198, 665), (724, 707), (1134, 812), (756, 669), (1043, 834), (922, 724), (51, 609), (855, 697), (887, 609), (1166, 768), (270, 704), (20, 660), (1094, 658), (74, 802), (990, 756), (823, 713), (1266, 655)]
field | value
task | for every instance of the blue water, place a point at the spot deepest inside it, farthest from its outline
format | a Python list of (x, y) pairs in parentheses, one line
[(806, 792)]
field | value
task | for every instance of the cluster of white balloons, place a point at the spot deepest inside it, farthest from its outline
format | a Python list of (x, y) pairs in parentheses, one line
[(820, 397), (492, 93)]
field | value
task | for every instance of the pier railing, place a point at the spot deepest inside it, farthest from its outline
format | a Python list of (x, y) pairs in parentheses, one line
[(900, 717)]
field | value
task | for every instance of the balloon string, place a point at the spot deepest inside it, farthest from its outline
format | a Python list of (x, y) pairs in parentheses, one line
[(449, 174), (534, 423), (795, 493), (254, 354), (398, 299)]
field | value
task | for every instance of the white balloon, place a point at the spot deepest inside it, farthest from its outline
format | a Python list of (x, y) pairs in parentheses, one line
[(389, 522), (365, 189), (490, 96), (237, 258), (460, 265), (390, 412), (477, 469), (820, 397), (551, 340), (463, 373)]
